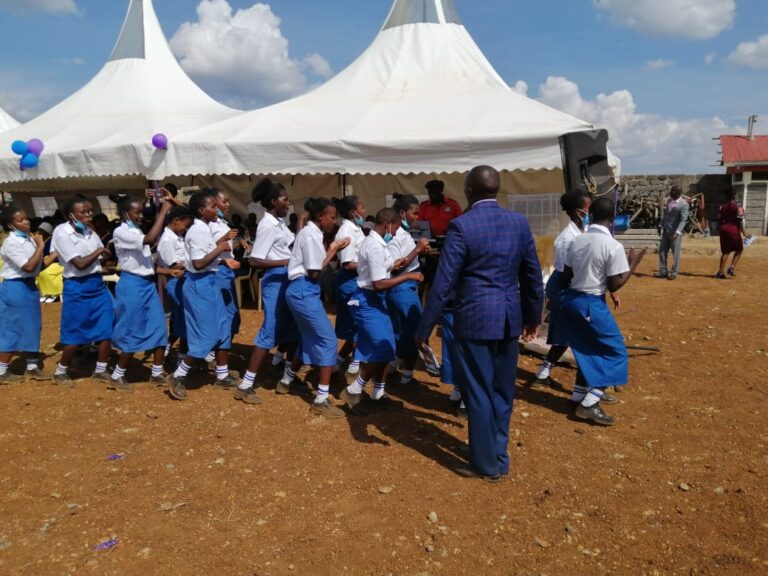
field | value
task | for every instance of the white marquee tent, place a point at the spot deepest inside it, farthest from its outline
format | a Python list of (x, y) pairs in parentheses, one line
[(7, 122), (106, 128)]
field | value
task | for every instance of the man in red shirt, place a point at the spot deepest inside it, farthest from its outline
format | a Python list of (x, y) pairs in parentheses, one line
[(438, 210)]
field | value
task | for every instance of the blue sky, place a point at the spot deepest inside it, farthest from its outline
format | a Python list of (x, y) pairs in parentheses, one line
[(666, 69)]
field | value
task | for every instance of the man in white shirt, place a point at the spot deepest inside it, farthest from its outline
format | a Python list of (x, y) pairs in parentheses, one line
[(596, 263)]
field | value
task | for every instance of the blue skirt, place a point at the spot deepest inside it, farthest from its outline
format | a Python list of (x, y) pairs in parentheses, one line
[(279, 326), (208, 327), (375, 335), (225, 280), (346, 287), (448, 350), (140, 320), (318, 340), (20, 317), (174, 289), (557, 286), (405, 309), (88, 311), (595, 339)]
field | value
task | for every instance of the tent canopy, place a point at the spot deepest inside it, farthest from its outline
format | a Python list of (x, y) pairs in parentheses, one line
[(7, 122), (106, 127)]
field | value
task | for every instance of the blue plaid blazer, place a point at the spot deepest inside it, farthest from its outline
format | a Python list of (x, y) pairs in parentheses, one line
[(489, 265)]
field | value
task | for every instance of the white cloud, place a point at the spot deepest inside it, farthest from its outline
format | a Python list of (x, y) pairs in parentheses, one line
[(646, 143), (521, 88), (52, 6), (70, 61), (658, 64), (694, 19), (710, 58), (242, 56), (752, 54)]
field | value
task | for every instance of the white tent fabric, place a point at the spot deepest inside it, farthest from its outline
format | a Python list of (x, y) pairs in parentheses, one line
[(421, 99), (7, 122), (106, 127)]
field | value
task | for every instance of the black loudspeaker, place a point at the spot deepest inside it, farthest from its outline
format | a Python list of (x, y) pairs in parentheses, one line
[(585, 161)]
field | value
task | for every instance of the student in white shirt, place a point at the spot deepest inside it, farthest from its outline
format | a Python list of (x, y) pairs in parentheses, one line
[(403, 300), (271, 253), (228, 266), (594, 264), (208, 325), (318, 340), (139, 314), (20, 315), (352, 211), (87, 313), (170, 263), (375, 335)]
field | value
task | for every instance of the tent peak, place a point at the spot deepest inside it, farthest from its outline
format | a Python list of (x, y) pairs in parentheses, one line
[(422, 12), (132, 42)]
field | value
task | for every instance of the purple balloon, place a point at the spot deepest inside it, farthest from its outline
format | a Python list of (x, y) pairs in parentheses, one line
[(160, 141), (36, 147)]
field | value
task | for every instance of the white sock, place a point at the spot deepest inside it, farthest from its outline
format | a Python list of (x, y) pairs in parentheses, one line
[(101, 367), (248, 380), (594, 395), (211, 357), (157, 371), (357, 386), (455, 394), (322, 393), (118, 373), (182, 370), (3, 368), (222, 372), (288, 374), (354, 367), (278, 358), (61, 370), (579, 392), (406, 376), (32, 365), (378, 391), (544, 371), (167, 350)]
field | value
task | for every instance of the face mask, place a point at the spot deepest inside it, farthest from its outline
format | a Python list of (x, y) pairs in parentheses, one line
[(388, 237), (405, 225), (79, 226), (586, 220), (131, 225), (220, 214), (359, 221), (19, 233)]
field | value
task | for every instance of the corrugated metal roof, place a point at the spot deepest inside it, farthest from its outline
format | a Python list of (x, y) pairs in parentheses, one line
[(744, 150)]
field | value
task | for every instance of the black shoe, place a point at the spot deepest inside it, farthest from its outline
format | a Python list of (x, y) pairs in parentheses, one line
[(248, 396), (227, 383), (672, 277), (595, 414), (354, 402), (609, 400), (469, 473), (121, 385), (64, 381), (325, 408), (178, 388), (38, 375), (160, 381), (9, 378)]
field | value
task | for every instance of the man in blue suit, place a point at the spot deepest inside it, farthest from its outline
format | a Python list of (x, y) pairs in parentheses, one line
[(489, 265)]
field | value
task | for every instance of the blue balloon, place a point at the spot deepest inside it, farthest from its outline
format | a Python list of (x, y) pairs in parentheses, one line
[(29, 161), (20, 147)]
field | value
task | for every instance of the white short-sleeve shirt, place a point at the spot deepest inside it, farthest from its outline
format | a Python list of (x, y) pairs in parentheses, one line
[(16, 252), (308, 252), (170, 249), (352, 231), (374, 261), (70, 244), (594, 257), (401, 246), (198, 243), (220, 228), (133, 255), (273, 239), (563, 243)]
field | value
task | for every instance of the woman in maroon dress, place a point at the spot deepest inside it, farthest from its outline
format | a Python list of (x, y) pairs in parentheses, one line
[(731, 233)]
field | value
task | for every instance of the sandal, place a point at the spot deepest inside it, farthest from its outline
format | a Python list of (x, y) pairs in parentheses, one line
[(720, 276), (731, 272)]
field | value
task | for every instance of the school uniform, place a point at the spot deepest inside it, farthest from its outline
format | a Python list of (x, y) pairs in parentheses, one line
[(558, 285), (375, 334), (303, 296), (592, 332), (140, 319), (170, 251), (208, 324), (403, 300), (274, 242), (225, 277), (87, 313), (346, 280), (20, 316)]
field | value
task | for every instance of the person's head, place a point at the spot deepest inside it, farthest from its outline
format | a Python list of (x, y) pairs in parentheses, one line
[(14, 219), (577, 204), (351, 208), (179, 220), (603, 211), (46, 230), (387, 223), (322, 212), (78, 211), (676, 192), (272, 196), (730, 194), (482, 183), (435, 189), (101, 224), (129, 210), (371, 219), (407, 206), (172, 188), (223, 203), (203, 206)]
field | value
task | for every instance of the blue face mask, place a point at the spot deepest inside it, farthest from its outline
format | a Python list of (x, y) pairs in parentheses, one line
[(132, 225), (586, 220), (404, 225), (220, 214), (19, 233), (79, 226), (359, 221), (388, 237)]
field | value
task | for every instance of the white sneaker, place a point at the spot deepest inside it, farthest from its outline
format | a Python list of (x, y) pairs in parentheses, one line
[(354, 368), (544, 371), (43, 299)]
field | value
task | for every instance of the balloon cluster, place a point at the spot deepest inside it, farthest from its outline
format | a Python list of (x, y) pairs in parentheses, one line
[(29, 151), (160, 141)]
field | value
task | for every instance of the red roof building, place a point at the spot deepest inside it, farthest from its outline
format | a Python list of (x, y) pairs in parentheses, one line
[(745, 154)]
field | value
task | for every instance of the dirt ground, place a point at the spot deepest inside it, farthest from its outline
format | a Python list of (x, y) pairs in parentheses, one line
[(212, 486)]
